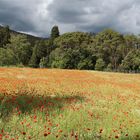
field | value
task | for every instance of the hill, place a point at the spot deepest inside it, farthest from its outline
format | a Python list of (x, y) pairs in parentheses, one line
[(31, 38)]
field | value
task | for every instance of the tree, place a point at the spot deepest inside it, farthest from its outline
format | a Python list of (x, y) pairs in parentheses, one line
[(41, 49), (85, 64), (43, 63), (4, 36), (7, 35), (107, 50), (58, 58), (72, 52), (100, 64), (34, 61), (132, 61), (72, 40), (54, 32), (7, 57), (21, 48), (87, 59), (131, 42), (107, 45), (109, 67)]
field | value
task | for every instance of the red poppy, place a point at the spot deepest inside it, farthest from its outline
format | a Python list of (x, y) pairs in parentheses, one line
[(116, 137), (45, 134), (24, 133)]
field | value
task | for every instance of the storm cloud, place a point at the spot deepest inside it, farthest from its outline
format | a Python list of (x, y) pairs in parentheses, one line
[(38, 16)]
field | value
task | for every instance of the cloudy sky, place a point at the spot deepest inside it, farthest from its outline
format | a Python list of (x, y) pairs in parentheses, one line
[(38, 16)]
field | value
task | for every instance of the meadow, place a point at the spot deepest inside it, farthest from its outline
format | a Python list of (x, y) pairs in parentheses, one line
[(49, 104)]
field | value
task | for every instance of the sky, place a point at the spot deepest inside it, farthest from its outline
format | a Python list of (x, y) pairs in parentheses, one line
[(37, 17)]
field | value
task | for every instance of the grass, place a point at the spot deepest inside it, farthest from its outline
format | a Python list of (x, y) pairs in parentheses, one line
[(42, 104)]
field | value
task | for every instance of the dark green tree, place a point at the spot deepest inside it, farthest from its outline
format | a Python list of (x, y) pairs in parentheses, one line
[(58, 58), (41, 49), (7, 57), (21, 48), (4, 36), (54, 32), (132, 61), (100, 64), (7, 35), (34, 61), (107, 45)]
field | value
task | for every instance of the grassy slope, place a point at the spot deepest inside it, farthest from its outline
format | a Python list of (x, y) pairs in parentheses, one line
[(67, 104), (32, 39)]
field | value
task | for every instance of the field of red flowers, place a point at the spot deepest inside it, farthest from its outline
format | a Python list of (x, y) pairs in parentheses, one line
[(44, 104)]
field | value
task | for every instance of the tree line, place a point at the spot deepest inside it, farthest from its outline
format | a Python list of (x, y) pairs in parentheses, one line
[(105, 51)]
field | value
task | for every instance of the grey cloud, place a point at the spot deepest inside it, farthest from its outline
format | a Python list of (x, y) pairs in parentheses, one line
[(92, 15), (20, 15), (38, 16)]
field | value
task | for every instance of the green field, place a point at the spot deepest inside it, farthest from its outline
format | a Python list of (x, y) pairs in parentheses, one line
[(43, 104)]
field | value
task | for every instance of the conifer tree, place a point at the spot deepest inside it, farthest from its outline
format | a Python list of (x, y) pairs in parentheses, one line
[(54, 32)]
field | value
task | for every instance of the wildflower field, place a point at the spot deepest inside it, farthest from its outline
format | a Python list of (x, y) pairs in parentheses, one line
[(44, 104)]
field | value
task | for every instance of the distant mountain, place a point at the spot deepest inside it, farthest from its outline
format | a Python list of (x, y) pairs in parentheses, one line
[(32, 39)]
